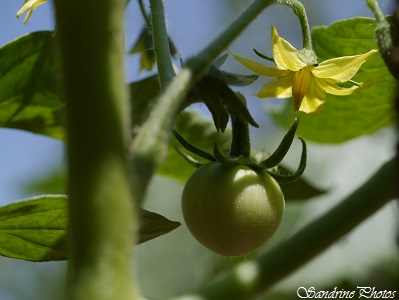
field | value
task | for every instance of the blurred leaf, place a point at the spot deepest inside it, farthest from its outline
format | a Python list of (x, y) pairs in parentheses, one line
[(344, 118), (300, 189), (53, 182), (28, 89), (143, 94), (200, 132), (154, 225), (35, 229)]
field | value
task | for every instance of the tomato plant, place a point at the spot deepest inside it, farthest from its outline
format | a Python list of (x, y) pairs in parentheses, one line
[(70, 85)]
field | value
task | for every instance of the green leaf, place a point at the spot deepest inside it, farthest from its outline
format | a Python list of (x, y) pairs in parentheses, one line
[(300, 189), (29, 97), (154, 225), (35, 229), (200, 132), (346, 117), (143, 94)]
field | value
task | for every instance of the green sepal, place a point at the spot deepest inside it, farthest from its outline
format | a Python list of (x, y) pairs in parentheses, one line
[(261, 55), (280, 178), (220, 157), (192, 148), (191, 160), (278, 155), (220, 60), (237, 79), (213, 90), (231, 78)]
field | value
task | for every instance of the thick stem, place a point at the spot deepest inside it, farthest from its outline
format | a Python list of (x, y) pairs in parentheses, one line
[(102, 215), (299, 10), (252, 277)]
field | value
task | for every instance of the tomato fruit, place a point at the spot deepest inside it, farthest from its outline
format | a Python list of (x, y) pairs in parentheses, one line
[(232, 209)]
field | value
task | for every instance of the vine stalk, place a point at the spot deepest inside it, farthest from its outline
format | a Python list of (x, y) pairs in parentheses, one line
[(101, 208)]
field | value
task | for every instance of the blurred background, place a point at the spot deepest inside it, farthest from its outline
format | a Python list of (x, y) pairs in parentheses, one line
[(33, 164)]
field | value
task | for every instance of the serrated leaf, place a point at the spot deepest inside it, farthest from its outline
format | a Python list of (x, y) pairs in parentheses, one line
[(35, 229), (29, 97), (200, 132), (344, 118)]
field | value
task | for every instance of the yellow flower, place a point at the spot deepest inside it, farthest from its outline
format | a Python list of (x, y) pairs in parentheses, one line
[(299, 75), (28, 7)]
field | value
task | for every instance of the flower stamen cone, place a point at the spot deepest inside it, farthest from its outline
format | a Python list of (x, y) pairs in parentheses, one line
[(300, 86)]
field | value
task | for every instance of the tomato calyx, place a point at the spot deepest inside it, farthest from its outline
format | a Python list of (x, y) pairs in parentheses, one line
[(270, 165)]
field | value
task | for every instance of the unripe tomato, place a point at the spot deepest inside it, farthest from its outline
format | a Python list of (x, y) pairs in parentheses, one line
[(232, 209)]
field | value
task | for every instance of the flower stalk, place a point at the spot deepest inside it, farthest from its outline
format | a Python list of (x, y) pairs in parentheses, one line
[(241, 143), (299, 10)]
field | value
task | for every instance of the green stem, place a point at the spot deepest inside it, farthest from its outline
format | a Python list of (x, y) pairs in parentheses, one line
[(373, 5), (299, 10), (144, 14), (101, 208), (151, 144), (241, 143), (204, 59), (161, 43), (385, 40), (251, 277)]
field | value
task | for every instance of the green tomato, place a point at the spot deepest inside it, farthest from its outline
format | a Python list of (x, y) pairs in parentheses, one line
[(232, 209)]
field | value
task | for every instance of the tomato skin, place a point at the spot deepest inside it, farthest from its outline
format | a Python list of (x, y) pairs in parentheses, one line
[(232, 209)]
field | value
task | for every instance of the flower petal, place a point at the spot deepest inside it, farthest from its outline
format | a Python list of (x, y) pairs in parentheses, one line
[(280, 87), (28, 7), (313, 99), (285, 55), (331, 88), (341, 69), (260, 68)]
